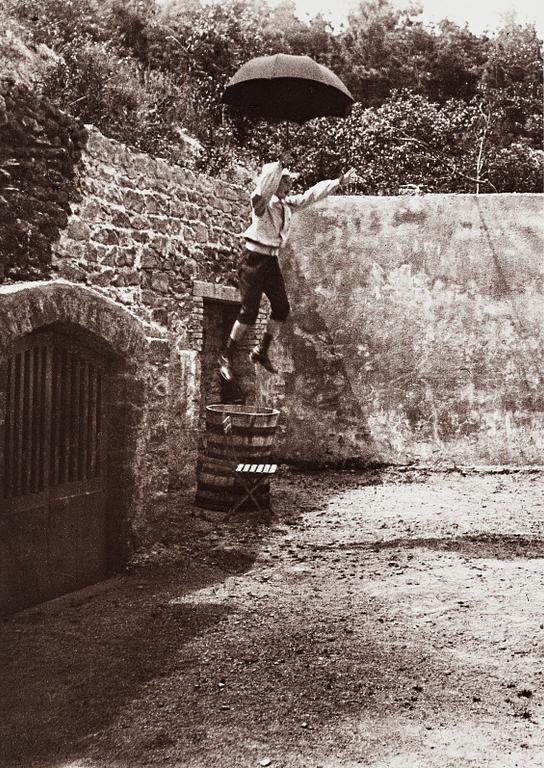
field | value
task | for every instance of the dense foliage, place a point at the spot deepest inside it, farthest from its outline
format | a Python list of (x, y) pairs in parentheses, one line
[(436, 105)]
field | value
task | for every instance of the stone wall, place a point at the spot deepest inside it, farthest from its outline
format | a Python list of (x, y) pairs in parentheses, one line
[(162, 243), (40, 148), (144, 231), (417, 331)]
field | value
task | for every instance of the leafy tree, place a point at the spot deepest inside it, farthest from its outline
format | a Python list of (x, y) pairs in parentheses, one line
[(383, 49), (435, 104), (457, 63), (94, 83), (511, 84), (517, 168), (409, 140), (57, 23)]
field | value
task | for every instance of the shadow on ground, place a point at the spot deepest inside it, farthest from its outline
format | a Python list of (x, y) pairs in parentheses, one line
[(289, 679), (481, 545), (69, 669), (122, 677)]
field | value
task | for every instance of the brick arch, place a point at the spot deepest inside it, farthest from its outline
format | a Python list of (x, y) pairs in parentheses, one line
[(73, 309), (26, 307)]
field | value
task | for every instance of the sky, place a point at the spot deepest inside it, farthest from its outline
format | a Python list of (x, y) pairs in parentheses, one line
[(479, 14)]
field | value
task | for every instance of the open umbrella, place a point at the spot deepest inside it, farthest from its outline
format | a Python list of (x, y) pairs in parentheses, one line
[(287, 87)]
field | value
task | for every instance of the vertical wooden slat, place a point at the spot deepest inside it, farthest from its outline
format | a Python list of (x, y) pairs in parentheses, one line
[(19, 423), (46, 396), (61, 411), (59, 387), (44, 446), (6, 487), (28, 424), (67, 413), (36, 417), (84, 420), (3, 431), (15, 424), (52, 361), (9, 429), (89, 420), (91, 466), (12, 445), (75, 421), (99, 423), (56, 426)]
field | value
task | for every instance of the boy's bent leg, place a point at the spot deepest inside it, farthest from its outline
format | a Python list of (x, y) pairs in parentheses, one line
[(277, 295), (259, 354), (250, 280)]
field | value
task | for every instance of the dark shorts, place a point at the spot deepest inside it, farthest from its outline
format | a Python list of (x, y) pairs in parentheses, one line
[(258, 274)]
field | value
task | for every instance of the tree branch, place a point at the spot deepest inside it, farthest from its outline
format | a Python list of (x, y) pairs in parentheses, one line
[(442, 159)]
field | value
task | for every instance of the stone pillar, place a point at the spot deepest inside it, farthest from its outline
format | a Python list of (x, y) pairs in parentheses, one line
[(183, 432)]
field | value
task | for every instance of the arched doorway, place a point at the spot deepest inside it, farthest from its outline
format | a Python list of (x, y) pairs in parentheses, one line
[(54, 528), (74, 368)]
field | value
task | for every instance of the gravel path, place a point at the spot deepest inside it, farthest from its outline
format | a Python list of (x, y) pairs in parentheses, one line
[(388, 621)]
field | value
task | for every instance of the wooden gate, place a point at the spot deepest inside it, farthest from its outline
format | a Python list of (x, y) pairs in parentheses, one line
[(53, 523)]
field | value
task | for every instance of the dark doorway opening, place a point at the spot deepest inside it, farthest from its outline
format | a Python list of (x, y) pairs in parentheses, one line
[(218, 318), (55, 531)]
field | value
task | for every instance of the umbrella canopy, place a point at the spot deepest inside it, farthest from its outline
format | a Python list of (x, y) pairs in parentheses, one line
[(287, 87)]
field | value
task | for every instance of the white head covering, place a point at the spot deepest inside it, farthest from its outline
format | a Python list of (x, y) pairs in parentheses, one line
[(290, 174)]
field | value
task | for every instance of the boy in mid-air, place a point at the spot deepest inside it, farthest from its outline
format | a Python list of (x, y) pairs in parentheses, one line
[(259, 271)]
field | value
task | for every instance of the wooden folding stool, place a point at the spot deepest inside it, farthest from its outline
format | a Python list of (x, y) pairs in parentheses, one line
[(251, 476)]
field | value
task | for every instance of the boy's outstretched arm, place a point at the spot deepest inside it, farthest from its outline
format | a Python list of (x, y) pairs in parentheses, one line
[(319, 191)]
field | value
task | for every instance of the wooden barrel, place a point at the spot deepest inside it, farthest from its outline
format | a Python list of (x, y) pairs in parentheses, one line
[(250, 440), (252, 434)]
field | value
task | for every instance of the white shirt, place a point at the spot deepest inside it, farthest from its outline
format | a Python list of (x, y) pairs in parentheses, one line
[(272, 227)]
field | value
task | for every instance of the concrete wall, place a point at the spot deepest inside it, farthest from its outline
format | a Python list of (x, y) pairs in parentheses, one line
[(417, 331)]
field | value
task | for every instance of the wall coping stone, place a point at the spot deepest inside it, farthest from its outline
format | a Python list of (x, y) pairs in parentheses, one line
[(216, 291)]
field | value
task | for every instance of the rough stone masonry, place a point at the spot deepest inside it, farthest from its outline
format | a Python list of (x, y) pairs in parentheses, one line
[(88, 225), (416, 332)]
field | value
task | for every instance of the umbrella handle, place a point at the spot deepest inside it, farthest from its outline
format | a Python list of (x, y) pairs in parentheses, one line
[(285, 140)]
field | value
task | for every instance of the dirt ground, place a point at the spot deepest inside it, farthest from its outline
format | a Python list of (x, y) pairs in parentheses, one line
[(386, 619)]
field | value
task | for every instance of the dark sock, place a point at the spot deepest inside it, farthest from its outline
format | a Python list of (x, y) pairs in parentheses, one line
[(265, 342), (231, 346)]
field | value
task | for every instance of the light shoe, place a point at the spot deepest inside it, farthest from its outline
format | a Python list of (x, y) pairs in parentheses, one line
[(225, 367)]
